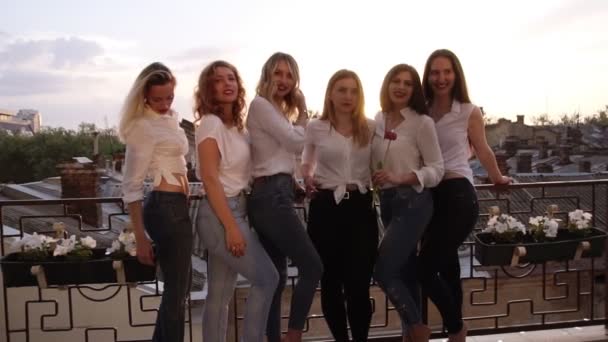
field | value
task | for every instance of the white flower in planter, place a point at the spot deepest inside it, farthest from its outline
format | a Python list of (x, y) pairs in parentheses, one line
[(124, 244), (543, 227), (88, 242), (505, 228), (579, 219), (65, 246)]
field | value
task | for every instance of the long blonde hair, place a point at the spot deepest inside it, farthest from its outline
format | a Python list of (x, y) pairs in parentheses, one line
[(361, 133), (135, 103), (204, 99), (264, 88)]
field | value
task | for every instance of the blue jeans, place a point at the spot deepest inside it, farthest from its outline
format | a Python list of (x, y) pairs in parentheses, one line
[(272, 215), (405, 214), (168, 224), (223, 269)]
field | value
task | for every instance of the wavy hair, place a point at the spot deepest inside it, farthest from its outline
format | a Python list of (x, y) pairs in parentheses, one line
[(459, 91), (416, 101), (265, 89), (135, 103), (361, 133), (204, 95)]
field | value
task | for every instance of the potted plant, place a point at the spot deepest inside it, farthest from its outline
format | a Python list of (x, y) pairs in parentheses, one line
[(504, 242), (38, 260)]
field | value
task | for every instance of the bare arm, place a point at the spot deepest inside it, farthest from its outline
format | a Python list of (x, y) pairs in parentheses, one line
[(477, 135)]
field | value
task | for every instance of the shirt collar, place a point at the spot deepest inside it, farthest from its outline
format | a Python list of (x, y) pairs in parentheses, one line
[(155, 115)]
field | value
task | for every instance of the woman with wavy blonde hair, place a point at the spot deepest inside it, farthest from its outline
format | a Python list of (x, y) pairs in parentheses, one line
[(341, 221), (225, 170), (156, 146), (275, 141)]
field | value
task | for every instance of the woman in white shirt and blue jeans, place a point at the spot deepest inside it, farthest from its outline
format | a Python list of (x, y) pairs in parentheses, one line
[(225, 170), (407, 162), (275, 141), (342, 221), (460, 127), (156, 146)]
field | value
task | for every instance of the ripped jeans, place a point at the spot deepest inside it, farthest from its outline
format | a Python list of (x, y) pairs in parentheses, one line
[(405, 214)]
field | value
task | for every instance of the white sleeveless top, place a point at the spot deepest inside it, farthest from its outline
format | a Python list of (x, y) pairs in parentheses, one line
[(452, 132)]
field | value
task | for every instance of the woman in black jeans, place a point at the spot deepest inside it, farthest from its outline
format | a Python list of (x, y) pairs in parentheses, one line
[(275, 141), (459, 125), (156, 146), (342, 222)]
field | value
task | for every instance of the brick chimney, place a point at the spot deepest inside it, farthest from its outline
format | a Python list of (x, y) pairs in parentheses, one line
[(524, 162), (544, 168), (564, 154), (584, 166), (520, 120), (501, 160), (510, 145), (81, 181)]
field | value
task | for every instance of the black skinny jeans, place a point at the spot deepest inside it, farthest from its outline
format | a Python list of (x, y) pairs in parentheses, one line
[(346, 237), (454, 217)]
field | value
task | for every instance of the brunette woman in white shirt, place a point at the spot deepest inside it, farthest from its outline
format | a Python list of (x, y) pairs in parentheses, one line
[(156, 146), (459, 126), (225, 170), (275, 141), (407, 162), (342, 221)]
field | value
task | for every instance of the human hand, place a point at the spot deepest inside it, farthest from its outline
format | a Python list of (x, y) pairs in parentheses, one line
[(382, 177), (235, 243), (310, 185), (145, 253)]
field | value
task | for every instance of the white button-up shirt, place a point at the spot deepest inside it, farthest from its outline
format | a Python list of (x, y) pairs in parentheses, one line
[(416, 149), (274, 140), (156, 146), (337, 160)]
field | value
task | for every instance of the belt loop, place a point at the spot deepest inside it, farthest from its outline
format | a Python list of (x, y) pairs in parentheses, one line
[(346, 195)]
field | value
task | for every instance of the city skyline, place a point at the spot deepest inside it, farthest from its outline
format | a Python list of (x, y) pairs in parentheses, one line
[(75, 61)]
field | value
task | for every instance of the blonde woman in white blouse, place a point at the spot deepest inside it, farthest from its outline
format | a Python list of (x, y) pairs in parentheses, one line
[(156, 146), (407, 162), (225, 170), (342, 221), (275, 141)]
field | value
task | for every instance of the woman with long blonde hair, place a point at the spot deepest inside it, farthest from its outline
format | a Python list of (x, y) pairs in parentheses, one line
[(275, 141), (342, 221), (156, 146)]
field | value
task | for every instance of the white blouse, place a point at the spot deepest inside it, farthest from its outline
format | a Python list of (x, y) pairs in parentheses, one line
[(274, 140), (453, 134), (156, 146), (335, 159), (235, 163), (416, 149)]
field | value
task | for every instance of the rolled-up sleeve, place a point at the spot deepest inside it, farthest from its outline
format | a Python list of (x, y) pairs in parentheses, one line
[(309, 155), (140, 150), (431, 172), (269, 119)]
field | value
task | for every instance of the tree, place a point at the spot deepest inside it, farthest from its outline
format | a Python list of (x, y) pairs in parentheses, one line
[(599, 118), (542, 120), (31, 158), (570, 120)]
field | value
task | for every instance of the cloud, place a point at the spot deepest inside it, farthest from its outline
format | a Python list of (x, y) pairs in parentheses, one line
[(571, 13), (23, 82), (56, 53)]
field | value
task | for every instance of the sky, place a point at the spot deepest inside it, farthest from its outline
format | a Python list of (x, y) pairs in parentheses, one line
[(75, 60)]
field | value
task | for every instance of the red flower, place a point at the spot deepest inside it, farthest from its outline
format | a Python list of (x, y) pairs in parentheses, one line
[(390, 135)]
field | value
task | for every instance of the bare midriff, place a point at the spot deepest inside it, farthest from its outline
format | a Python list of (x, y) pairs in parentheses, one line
[(452, 175), (165, 186)]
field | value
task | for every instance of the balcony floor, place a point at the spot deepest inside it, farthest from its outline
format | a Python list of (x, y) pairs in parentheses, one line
[(577, 334)]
